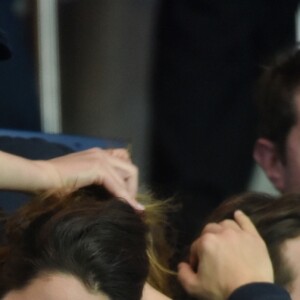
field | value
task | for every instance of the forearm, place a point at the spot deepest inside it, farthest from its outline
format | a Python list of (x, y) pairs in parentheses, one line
[(111, 168), (17, 173)]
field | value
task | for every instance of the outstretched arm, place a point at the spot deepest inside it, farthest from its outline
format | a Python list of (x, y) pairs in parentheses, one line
[(112, 169), (226, 256)]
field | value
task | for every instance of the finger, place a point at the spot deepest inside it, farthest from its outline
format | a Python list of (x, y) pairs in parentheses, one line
[(187, 277), (121, 153), (129, 173), (206, 242), (119, 159), (245, 222), (113, 184), (122, 194), (226, 224), (116, 176), (132, 182), (211, 228), (195, 251)]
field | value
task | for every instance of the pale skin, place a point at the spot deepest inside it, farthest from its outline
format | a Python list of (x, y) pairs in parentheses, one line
[(150, 293), (111, 168), (290, 251), (283, 174), (226, 256), (56, 286)]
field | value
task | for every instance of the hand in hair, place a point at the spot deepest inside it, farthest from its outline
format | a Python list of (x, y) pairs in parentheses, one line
[(226, 256), (111, 168)]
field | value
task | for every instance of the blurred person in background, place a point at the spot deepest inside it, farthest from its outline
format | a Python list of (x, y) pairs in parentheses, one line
[(207, 58), (278, 100)]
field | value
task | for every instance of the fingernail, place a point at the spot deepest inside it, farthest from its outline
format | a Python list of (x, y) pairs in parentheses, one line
[(239, 212)]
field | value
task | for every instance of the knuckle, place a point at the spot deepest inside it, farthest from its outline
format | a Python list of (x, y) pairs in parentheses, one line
[(122, 150), (208, 240), (134, 170), (95, 151), (190, 287), (209, 226), (227, 223)]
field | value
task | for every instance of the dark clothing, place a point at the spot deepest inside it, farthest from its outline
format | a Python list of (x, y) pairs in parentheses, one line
[(33, 148), (260, 291), (208, 56), (19, 104)]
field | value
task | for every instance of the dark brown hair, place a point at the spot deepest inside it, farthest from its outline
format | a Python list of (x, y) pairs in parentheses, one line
[(276, 93), (277, 220), (102, 243)]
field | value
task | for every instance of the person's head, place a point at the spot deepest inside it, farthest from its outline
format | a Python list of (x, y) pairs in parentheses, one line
[(277, 149), (278, 222), (77, 247)]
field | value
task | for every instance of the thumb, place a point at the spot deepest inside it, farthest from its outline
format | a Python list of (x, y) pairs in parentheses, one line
[(187, 277), (245, 222)]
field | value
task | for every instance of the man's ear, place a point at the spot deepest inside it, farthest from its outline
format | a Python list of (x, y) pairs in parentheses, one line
[(267, 156)]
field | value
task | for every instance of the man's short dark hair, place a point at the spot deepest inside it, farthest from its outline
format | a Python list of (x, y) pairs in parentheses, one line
[(277, 89)]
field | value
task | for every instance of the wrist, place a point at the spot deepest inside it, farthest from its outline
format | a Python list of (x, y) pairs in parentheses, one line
[(49, 178)]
